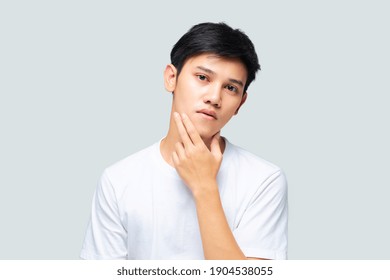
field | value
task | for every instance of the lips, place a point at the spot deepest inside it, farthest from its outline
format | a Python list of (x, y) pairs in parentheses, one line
[(210, 113)]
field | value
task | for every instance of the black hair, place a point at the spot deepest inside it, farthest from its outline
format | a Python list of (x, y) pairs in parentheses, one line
[(219, 39)]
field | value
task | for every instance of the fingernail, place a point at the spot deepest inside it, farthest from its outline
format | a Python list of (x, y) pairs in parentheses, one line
[(183, 115), (176, 114)]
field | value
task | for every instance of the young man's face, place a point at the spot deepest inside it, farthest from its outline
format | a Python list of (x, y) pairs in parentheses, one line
[(209, 89)]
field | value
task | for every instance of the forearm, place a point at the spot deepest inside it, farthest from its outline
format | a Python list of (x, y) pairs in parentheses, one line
[(217, 238)]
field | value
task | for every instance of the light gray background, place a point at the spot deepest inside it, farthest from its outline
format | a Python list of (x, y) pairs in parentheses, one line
[(81, 87)]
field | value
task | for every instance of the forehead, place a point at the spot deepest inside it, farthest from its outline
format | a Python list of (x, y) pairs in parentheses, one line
[(226, 66)]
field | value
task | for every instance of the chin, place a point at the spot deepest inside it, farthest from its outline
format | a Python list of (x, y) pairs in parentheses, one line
[(206, 135), (205, 132)]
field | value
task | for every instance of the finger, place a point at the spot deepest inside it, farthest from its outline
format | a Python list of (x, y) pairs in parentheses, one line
[(215, 148), (191, 130), (180, 151), (182, 130), (175, 159)]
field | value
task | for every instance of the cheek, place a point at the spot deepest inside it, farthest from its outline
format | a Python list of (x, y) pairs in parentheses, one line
[(230, 110), (225, 120), (188, 95), (192, 87), (232, 107), (183, 103)]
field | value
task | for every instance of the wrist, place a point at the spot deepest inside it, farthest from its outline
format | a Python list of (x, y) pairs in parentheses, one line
[(206, 189)]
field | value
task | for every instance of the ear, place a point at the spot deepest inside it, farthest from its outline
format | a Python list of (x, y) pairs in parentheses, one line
[(243, 99), (170, 76)]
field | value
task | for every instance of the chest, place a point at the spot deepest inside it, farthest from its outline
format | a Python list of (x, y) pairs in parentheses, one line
[(159, 215)]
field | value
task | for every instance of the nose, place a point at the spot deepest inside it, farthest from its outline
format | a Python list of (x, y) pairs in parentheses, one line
[(213, 96)]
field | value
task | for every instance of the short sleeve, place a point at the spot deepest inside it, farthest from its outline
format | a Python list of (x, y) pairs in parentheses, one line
[(262, 230), (105, 237)]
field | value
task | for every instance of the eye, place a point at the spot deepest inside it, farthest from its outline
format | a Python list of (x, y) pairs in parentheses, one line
[(231, 88), (202, 77)]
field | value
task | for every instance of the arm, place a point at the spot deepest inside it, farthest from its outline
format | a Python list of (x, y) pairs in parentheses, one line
[(105, 237), (217, 238), (198, 167)]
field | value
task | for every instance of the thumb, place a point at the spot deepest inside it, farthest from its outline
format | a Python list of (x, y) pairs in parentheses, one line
[(215, 149)]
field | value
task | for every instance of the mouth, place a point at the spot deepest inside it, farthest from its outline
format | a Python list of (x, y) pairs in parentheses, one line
[(210, 114)]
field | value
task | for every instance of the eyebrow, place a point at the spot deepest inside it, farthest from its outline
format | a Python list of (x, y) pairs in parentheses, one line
[(209, 71)]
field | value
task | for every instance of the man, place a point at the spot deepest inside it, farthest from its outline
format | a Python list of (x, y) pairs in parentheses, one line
[(194, 195)]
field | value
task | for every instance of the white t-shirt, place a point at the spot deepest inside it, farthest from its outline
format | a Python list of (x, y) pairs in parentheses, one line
[(142, 209)]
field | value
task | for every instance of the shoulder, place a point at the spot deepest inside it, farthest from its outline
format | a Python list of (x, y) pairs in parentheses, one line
[(131, 166), (254, 175), (141, 157), (260, 183), (245, 160)]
